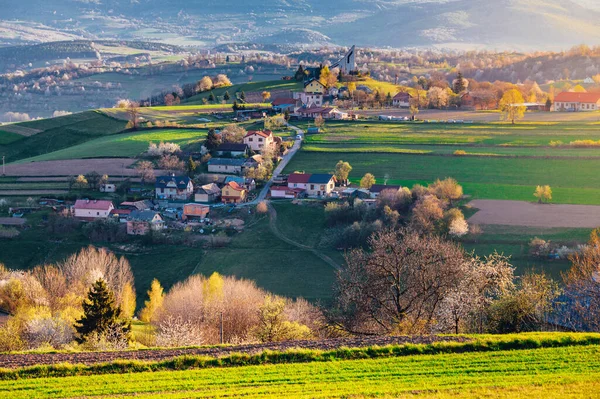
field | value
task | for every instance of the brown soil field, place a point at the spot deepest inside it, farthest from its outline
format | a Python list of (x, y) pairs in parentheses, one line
[(23, 193), (529, 214), (32, 359), (109, 166)]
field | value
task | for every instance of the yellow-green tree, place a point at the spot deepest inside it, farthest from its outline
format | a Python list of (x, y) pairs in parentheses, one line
[(511, 106), (342, 170), (155, 300), (579, 89), (127, 301), (213, 287), (367, 181), (543, 194), (273, 325)]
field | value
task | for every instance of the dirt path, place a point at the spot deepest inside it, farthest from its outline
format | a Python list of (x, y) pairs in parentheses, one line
[(529, 214), (279, 234), (31, 359)]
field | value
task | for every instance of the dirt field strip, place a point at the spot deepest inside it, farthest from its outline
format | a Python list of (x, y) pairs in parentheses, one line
[(32, 359), (110, 166), (529, 214), (23, 131), (21, 193)]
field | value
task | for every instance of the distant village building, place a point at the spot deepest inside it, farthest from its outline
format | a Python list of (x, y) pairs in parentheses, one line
[(198, 211), (283, 104), (285, 192), (208, 193), (233, 193), (258, 140), (141, 222), (401, 100), (92, 209), (174, 187), (572, 101), (226, 165), (309, 99), (376, 189), (313, 86), (247, 182), (232, 149), (324, 112), (108, 188)]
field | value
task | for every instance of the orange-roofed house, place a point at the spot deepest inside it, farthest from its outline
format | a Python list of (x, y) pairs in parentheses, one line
[(258, 140), (572, 101), (233, 193)]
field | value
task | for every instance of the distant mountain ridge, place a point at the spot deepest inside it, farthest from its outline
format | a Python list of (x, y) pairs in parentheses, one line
[(501, 24)]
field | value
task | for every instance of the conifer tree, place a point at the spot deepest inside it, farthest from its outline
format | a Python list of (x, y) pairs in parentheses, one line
[(226, 96), (459, 83), (100, 313)]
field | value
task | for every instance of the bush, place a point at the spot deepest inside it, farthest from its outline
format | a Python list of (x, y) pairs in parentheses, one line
[(10, 337), (177, 332), (52, 331), (460, 153), (262, 207)]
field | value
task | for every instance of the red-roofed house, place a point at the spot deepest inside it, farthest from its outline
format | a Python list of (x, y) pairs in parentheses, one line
[(571, 101), (401, 100), (233, 193), (258, 140), (298, 180), (92, 209)]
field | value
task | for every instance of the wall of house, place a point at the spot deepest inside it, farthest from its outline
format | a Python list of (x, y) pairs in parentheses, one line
[(92, 213)]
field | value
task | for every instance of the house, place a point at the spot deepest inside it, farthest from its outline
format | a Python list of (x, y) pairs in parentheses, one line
[(320, 185), (258, 140), (324, 112), (141, 205), (226, 165), (174, 187), (376, 189), (589, 81), (92, 209), (208, 193), (139, 223), (247, 182), (353, 193), (195, 211), (232, 150), (286, 192), (108, 188), (298, 180), (313, 86), (572, 101), (401, 100), (233, 193), (309, 100)]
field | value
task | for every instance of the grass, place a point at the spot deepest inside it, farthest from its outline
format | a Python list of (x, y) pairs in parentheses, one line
[(269, 85), (124, 145), (8, 137), (60, 133), (397, 371)]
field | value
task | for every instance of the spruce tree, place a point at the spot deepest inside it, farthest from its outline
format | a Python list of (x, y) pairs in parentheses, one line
[(100, 313), (243, 96), (211, 97), (226, 96), (459, 83), (212, 140)]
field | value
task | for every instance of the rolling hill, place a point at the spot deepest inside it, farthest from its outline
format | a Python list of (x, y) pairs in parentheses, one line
[(512, 24)]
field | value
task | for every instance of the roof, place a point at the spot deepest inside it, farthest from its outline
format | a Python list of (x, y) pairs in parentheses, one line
[(227, 161), (320, 178), (316, 110), (572, 97), (283, 101), (237, 179), (93, 204), (287, 189), (235, 186), (143, 216), (312, 80), (181, 181), (233, 147), (210, 188), (120, 212), (377, 188), (262, 133), (298, 178), (401, 96)]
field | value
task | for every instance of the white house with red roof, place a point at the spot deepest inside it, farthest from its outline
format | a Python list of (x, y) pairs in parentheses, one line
[(401, 100), (92, 209), (572, 101), (298, 180), (258, 140)]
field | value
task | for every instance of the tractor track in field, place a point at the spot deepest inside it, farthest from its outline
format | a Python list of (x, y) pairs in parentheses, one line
[(32, 359)]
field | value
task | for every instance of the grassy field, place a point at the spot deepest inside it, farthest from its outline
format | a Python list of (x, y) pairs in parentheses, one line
[(8, 137), (59, 133), (124, 145), (269, 85), (562, 372)]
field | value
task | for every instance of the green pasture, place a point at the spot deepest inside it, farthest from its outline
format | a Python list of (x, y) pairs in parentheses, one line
[(9, 137), (268, 85), (124, 145), (60, 133), (561, 372)]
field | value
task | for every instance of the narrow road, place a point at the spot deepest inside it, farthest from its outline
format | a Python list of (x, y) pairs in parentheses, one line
[(279, 234)]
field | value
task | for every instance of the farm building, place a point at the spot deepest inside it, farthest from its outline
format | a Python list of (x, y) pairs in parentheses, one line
[(226, 165), (141, 222), (282, 104), (195, 211), (232, 149), (376, 189), (286, 192), (571, 101), (233, 193), (108, 188), (92, 209), (401, 100), (208, 193), (121, 214), (324, 112), (174, 187), (298, 180), (258, 140)]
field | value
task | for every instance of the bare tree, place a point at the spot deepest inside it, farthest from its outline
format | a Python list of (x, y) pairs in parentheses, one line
[(171, 163), (145, 169), (133, 112)]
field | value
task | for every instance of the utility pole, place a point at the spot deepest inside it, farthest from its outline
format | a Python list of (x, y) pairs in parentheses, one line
[(221, 328), (3, 166)]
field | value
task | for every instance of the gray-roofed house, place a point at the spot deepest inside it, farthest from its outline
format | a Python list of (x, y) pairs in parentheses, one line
[(226, 165), (320, 185), (232, 150), (376, 189), (174, 187), (141, 222), (208, 193)]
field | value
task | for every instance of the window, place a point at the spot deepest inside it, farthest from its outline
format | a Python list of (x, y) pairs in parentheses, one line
[(312, 186), (260, 139), (250, 139), (97, 213)]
